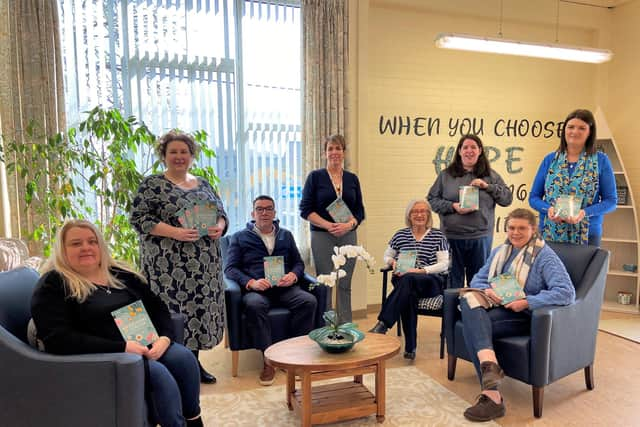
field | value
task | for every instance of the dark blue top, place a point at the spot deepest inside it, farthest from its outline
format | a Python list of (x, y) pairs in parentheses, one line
[(604, 201), (318, 193), (245, 256)]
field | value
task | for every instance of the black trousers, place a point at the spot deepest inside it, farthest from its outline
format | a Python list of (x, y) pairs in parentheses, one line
[(402, 302)]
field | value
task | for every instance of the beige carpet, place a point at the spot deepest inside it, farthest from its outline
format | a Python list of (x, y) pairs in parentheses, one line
[(413, 399), (625, 328)]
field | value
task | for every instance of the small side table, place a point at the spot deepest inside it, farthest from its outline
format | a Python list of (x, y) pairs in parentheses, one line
[(338, 401)]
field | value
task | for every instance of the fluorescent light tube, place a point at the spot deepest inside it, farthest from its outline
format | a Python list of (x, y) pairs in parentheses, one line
[(522, 48)]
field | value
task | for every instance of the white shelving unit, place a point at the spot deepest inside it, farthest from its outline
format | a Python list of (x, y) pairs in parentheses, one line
[(620, 232)]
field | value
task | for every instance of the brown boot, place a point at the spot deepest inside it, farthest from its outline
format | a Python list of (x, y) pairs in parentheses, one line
[(485, 409), (268, 375)]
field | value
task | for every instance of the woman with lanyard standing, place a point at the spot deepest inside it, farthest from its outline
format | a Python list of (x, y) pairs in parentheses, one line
[(332, 203)]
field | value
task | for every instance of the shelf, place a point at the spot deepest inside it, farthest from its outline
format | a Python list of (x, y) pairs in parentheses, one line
[(622, 273), (620, 308), (611, 239), (624, 207)]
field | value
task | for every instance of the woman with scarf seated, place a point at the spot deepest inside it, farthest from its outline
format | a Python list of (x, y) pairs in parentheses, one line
[(575, 169), (524, 261)]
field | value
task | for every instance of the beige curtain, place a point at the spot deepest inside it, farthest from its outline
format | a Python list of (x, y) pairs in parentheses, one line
[(325, 39), (31, 89)]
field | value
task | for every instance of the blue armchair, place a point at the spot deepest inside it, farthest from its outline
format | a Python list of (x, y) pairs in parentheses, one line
[(562, 339), (44, 389), (237, 335)]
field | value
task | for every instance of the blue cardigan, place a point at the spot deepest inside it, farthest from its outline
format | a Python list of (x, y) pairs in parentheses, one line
[(318, 193), (548, 282), (245, 256), (605, 200)]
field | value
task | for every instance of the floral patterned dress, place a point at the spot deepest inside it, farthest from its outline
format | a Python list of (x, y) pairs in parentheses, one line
[(186, 275)]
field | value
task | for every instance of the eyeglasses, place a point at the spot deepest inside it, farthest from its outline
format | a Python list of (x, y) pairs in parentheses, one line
[(420, 212), (261, 209)]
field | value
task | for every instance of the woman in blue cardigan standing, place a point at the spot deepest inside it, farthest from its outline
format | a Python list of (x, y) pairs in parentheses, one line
[(576, 168), (323, 190)]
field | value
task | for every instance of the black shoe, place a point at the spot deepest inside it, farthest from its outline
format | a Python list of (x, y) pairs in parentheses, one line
[(196, 422), (411, 355), (380, 328), (206, 377)]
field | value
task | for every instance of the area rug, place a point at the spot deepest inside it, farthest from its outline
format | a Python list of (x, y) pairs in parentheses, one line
[(413, 399), (624, 328)]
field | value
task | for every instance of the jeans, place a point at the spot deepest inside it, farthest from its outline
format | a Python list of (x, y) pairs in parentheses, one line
[(301, 303), (174, 386), (322, 244), (481, 326), (594, 240), (402, 302), (468, 256)]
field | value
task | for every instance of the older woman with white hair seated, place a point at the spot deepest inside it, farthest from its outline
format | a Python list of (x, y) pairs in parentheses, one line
[(426, 279), (72, 308)]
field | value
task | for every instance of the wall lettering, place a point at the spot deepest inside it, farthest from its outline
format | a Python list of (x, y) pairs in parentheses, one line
[(444, 156)]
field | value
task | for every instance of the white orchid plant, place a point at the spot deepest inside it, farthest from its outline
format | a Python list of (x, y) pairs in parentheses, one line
[(334, 329), (339, 258)]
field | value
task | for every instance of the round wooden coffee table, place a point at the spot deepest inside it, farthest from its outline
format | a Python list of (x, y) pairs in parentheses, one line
[(336, 401)]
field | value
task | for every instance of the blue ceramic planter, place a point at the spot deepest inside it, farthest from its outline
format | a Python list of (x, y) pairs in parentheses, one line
[(336, 342)]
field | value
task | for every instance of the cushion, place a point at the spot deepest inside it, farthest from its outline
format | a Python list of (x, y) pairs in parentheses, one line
[(434, 303)]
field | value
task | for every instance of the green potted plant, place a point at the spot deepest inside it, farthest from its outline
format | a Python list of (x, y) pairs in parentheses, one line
[(90, 171)]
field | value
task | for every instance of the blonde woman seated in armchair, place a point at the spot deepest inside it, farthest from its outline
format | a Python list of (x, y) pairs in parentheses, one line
[(71, 306)]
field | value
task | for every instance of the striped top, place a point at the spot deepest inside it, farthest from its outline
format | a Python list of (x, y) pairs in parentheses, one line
[(433, 242)]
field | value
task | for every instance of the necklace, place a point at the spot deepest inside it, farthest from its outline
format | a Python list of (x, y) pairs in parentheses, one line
[(336, 181), (173, 180)]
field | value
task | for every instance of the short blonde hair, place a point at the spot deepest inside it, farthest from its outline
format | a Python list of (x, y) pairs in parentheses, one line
[(79, 286), (407, 212)]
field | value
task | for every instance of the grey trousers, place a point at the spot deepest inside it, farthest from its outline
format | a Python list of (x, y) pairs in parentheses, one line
[(322, 244)]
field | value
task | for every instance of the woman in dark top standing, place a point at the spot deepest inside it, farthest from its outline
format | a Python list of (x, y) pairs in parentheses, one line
[(321, 189), (469, 231), (71, 306)]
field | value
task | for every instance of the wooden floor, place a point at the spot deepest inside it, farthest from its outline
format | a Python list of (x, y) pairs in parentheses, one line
[(615, 401)]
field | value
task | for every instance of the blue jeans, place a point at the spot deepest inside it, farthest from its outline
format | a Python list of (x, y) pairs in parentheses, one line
[(174, 387), (468, 256), (594, 240), (402, 302), (301, 303), (482, 326)]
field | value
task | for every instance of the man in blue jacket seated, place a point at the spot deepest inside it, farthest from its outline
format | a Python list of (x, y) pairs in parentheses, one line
[(542, 276), (260, 291)]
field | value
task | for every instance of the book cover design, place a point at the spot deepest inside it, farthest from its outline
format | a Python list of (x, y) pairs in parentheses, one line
[(469, 197), (339, 210), (201, 215), (273, 269), (134, 323), (568, 206), (406, 261), (507, 288)]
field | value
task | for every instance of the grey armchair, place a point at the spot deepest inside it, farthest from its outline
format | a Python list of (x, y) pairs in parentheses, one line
[(40, 389), (562, 339)]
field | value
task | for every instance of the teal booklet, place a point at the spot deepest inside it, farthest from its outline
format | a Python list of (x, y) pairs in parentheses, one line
[(200, 215), (273, 269), (469, 197), (339, 211), (507, 288), (406, 261), (568, 206), (134, 323)]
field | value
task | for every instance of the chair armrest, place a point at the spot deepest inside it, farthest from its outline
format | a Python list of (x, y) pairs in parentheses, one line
[(233, 318), (178, 320), (98, 389), (385, 279), (450, 315)]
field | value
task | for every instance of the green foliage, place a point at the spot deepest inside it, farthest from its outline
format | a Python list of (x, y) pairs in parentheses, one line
[(94, 164)]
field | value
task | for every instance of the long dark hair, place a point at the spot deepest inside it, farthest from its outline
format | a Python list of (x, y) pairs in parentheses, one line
[(482, 167), (587, 117)]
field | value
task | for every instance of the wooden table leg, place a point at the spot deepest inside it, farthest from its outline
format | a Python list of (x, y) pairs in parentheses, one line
[(306, 398), (380, 390), (291, 387)]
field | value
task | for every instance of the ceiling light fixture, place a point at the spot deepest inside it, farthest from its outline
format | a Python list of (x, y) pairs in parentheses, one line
[(522, 48)]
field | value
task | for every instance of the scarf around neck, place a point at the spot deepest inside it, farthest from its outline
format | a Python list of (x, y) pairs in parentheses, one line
[(521, 264)]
